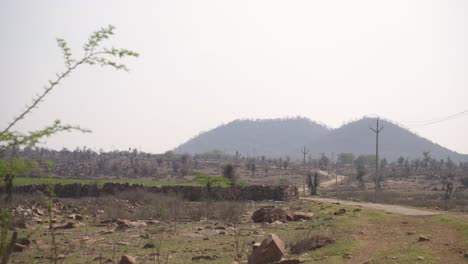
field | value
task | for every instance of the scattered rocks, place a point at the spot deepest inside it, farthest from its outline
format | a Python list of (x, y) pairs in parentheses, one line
[(270, 250), (126, 259)]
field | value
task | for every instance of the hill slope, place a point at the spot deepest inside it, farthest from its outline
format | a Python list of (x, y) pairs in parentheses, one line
[(281, 137)]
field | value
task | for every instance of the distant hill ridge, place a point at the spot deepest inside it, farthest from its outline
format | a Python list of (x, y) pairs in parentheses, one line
[(285, 137)]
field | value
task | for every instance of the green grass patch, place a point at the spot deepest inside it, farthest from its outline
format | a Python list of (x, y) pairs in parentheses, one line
[(407, 254), (459, 224), (378, 216), (146, 182)]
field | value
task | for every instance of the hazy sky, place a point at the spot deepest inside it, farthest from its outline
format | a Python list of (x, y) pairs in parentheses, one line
[(204, 63)]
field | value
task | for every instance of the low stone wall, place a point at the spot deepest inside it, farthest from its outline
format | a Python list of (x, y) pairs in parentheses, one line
[(192, 193)]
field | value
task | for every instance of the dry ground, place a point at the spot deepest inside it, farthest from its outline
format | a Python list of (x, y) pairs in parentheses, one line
[(362, 235)]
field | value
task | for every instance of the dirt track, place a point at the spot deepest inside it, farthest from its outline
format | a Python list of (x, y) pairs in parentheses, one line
[(395, 209)]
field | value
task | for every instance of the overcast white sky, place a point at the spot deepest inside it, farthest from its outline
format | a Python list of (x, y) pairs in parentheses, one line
[(204, 63)]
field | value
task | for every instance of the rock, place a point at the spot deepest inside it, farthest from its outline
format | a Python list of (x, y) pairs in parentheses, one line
[(341, 211), (289, 214), (122, 224), (126, 259), (291, 261), (78, 217), (466, 254), (302, 216), (420, 258), (347, 255), (75, 217), (357, 210), (277, 223), (255, 245), (204, 258), (107, 221), (423, 238), (24, 241), (310, 243), (149, 245), (220, 228), (260, 215), (68, 225), (38, 211), (153, 222), (19, 248), (410, 233), (269, 214), (270, 250)]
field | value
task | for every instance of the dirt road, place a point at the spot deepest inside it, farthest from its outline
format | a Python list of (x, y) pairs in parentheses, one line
[(395, 209)]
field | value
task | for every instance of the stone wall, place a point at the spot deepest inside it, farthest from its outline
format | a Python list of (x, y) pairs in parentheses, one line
[(192, 193)]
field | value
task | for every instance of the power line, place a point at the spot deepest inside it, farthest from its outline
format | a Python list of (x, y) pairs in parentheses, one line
[(417, 124)]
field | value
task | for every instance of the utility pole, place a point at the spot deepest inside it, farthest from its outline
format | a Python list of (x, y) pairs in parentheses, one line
[(304, 152), (377, 132)]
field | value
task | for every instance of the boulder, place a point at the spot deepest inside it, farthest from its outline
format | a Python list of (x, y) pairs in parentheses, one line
[(303, 216), (126, 259), (270, 250), (271, 214)]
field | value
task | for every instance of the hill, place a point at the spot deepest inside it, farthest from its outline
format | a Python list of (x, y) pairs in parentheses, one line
[(270, 137), (394, 141), (281, 137)]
